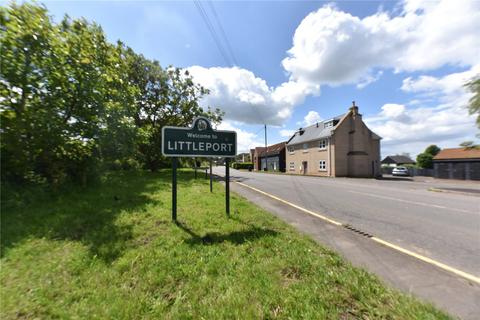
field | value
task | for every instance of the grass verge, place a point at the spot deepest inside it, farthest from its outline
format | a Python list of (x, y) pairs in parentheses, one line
[(112, 252)]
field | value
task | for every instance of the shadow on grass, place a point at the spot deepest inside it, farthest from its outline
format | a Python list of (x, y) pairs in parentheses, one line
[(88, 215), (236, 237)]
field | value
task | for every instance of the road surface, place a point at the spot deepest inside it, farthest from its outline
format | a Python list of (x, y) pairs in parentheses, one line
[(441, 226)]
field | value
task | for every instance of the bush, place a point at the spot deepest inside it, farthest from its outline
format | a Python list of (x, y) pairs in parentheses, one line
[(242, 165), (425, 160), (131, 164)]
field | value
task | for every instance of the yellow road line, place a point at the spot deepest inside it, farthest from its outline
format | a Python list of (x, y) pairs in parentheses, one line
[(428, 260), (378, 240)]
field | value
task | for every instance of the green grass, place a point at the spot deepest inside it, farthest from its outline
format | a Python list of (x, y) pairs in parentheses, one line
[(112, 252)]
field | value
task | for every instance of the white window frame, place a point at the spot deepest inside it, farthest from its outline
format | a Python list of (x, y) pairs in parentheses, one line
[(322, 165), (322, 144), (291, 166), (291, 149)]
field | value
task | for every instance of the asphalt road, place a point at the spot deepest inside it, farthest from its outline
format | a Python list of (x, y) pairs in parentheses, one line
[(441, 226)]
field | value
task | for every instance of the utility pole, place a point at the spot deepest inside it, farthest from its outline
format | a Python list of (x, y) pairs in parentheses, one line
[(265, 138)]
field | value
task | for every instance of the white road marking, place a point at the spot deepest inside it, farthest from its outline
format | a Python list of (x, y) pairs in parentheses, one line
[(438, 264), (411, 202)]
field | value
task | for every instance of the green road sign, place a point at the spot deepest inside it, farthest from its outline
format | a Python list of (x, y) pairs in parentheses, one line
[(198, 141)]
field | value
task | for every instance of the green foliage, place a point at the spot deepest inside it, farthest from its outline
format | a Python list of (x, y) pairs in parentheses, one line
[(469, 145), (72, 102), (433, 150), (474, 107), (425, 160), (112, 252), (242, 165)]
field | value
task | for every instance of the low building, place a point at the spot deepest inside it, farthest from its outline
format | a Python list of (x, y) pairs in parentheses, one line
[(457, 163), (255, 156), (397, 160), (271, 158), (339, 147)]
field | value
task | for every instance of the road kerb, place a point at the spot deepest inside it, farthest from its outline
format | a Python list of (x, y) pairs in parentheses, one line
[(440, 265)]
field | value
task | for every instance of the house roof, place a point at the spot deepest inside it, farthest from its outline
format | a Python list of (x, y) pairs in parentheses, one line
[(398, 159), (271, 150), (458, 153), (319, 131), (313, 132)]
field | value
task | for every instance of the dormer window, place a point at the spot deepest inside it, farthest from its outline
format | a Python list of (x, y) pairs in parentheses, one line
[(328, 124)]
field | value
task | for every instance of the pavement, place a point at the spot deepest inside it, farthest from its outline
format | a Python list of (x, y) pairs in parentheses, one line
[(371, 221)]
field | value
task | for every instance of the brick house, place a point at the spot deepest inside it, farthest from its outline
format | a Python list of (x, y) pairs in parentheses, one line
[(457, 163), (271, 158), (340, 147)]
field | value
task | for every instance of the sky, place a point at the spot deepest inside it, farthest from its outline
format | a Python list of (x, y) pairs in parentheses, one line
[(291, 64)]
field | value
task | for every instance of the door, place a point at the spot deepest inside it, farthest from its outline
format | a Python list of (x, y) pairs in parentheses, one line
[(304, 165)]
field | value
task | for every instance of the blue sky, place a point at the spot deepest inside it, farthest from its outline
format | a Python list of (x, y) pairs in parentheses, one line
[(294, 63)]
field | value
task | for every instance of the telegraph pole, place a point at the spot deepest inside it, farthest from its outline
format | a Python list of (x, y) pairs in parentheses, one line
[(265, 137)]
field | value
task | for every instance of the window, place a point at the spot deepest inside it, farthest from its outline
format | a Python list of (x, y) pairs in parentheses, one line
[(291, 149), (305, 147), (292, 166), (328, 124), (323, 165), (323, 144)]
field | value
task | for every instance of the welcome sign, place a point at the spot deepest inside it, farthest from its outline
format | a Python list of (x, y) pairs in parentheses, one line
[(198, 141)]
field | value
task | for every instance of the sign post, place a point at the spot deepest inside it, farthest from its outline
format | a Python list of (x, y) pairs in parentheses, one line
[(227, 186), (195, 166), (174, 189), (211, 178), (201, 140)]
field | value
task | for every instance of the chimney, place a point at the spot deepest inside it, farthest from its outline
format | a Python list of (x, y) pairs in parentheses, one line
[(354, 109)]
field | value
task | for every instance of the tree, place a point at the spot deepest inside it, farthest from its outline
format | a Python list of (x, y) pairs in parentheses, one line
[(469, 145), (166, 97), (432, 149), (425, 160), (71, 102), (474, 106)]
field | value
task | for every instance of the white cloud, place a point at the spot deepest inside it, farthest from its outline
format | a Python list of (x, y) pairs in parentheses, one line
[(447, 124), (245, 140), (334, 47), (246, 98), (286, 133), (311, 118), (368, 79), (449, 87)]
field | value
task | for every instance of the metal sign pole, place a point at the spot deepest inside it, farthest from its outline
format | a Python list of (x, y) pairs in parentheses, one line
[(195, 166), (211, 186), (174, 189), (227, 185)]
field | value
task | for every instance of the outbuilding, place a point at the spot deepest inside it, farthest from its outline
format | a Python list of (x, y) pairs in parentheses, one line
[(457, 163), (397, 160), (271, 158)]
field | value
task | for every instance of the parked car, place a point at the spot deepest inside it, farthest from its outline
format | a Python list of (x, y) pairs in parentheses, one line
[(400, 171)]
